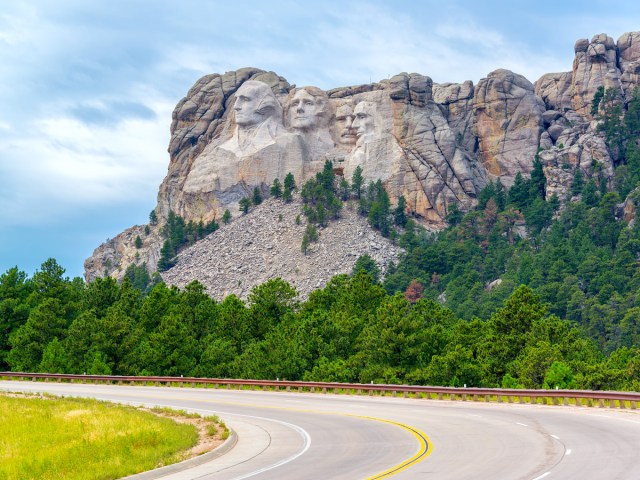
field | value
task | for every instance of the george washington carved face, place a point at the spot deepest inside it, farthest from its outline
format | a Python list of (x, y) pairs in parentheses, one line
[(254, 103)]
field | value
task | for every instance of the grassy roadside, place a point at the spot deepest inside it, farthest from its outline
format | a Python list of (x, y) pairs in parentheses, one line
[(73, 438)]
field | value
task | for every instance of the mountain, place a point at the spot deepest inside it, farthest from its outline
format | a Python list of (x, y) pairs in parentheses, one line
[(436, 145)]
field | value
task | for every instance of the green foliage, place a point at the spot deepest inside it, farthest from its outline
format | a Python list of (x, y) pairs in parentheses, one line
[(226, 217), (138, 242), (244, 204), (276, 189), (357, 182), (256, 198), (365, 263), (178, 234), (153, 218), (289, 187), (597, 98)]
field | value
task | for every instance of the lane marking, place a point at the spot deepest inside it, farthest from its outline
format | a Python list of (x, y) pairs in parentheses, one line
[(424, 450), (523, 424), (568, 452), (556, 437), (306, 438), (542, 476)]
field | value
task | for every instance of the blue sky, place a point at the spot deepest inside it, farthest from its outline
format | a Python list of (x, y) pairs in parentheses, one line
[(87, 87)]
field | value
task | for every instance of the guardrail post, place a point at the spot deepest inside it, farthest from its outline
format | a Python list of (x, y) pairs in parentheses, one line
[(633, 404), (565, 401), (406, 394), (520, 399), (487, 398), (464, 397), (439, 396), (600, 403), (475, 397), (533, 400)]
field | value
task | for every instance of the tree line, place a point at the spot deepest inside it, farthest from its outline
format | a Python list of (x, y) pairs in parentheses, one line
[(352, 330)]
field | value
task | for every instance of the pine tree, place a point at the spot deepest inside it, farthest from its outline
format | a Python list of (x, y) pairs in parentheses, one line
[(276, 189), (289, 186), (399, 215), (138, 242), (578, 182), (226, 217), (244, 205), (357, 181), (257, 196)]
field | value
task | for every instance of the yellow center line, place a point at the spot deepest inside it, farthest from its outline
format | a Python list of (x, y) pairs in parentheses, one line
[(425, 449)]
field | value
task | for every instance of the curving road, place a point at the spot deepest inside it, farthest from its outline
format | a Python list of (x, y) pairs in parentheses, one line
[(315, 436)]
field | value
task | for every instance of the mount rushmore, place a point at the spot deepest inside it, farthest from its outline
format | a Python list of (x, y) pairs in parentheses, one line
[(435, 144)]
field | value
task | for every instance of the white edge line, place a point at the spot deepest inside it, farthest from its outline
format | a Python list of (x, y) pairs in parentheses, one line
[(301, 431), (542, 476)]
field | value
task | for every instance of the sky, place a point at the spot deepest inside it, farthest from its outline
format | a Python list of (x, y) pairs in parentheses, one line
[(87, 87)]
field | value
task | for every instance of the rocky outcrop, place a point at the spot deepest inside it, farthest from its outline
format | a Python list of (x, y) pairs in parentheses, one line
[(265, 244), (595, 65), (434, 144), (116, 254), (508, 124)]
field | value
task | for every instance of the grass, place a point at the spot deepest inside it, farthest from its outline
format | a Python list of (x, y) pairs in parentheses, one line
[(45, 438)]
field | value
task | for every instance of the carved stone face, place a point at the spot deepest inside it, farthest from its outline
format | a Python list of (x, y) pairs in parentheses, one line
[(303, 111), (249, 100), (363, 122), (344, 124)]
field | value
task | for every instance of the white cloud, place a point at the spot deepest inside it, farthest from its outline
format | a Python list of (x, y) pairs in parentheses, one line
[(64, 162)]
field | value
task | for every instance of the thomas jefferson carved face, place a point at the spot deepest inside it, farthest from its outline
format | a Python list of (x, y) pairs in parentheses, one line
[(307, 108), (363, 122), (344, 124), (303, 110), (254, 103)]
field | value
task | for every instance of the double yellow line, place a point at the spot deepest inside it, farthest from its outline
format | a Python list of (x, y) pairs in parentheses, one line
[(423, 452)]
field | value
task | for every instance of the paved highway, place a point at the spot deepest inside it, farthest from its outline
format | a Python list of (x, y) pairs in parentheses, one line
[(321, 436)]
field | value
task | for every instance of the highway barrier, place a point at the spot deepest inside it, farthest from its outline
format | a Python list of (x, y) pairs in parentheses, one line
[(588, 398)]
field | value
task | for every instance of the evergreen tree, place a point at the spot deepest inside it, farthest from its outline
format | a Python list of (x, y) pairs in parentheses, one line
[(365, 263), (578, 182), (244, 204), (226, 217), (399, 215), (454, 215), (153, 218), (519, 193), (289, 187), (597, 98), (538, 181), (257, 196), (138, 242), (590, 193), (357, 181), (276, 189), (344, 189)]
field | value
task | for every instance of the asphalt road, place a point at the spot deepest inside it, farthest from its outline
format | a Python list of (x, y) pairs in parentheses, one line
[(322, 436)]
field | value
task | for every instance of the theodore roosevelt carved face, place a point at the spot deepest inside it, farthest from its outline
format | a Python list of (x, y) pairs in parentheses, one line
[(307, 109), (344, 125), (254, 103)]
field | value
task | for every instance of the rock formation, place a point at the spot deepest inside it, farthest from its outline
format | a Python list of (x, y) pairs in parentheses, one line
[(434, 144), (266, 244)]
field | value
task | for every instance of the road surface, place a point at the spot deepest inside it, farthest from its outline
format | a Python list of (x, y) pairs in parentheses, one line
[(323, 436)]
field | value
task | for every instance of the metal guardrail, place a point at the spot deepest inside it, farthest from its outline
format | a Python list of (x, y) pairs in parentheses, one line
[(555, 397)]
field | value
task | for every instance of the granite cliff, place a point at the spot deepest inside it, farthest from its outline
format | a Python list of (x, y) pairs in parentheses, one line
[(434, 144)]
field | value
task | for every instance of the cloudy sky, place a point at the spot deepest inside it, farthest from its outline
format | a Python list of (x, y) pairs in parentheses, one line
[(87, 87)]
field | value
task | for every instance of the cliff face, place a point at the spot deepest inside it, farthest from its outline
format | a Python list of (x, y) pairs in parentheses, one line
[(435, 144)]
